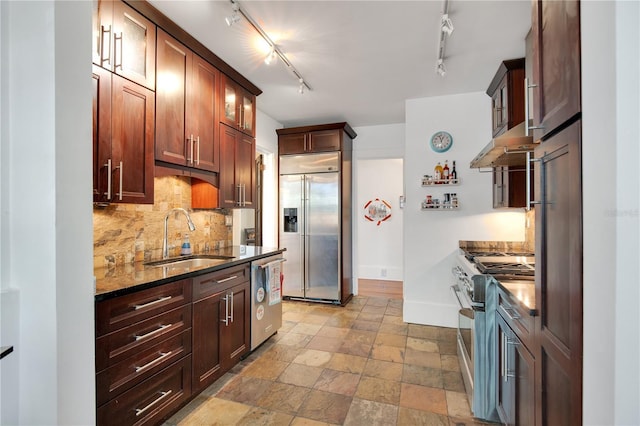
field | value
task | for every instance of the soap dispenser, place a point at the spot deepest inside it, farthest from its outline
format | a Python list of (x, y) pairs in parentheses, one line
[(186, 246)]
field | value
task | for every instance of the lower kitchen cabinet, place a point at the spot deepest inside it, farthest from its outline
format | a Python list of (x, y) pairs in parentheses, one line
[(220, 323), (515, 390)]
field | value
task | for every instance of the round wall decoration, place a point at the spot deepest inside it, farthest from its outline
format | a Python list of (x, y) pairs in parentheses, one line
[(377, 211), (441, 141)]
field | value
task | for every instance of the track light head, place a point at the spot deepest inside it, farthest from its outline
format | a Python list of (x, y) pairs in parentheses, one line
[(235, 16), (301, 88), (446, 24), (440, 68), (272, 56)]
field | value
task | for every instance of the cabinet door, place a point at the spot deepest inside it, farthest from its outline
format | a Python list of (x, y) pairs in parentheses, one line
[(174, 65), (228, 190), (524, 373), (235, 340), (102, 34), (324, 140), (134, 46), (559, 278), (245, 168), (556, 63), (207, 322), (133, 115), (292, 144), (506, 384), (229, 113), (248, 113), (101, 134), (499, 106), (202, 121)]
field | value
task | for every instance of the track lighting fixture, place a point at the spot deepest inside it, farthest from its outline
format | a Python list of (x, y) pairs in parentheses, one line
[(271, 56), (234, 17), (275, 51), (440, 68), (446, 24)]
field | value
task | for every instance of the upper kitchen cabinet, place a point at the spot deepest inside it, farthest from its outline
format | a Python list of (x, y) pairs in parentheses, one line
[(507, 96), (238, 109), (186, 101), (556, 64), (124, 42), (302, 140), (123, 139), (237, 174)]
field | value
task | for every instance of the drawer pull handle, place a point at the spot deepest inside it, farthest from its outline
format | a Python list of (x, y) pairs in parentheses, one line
[(512, 314), (151, 333), (146, 305), (162, 396), (162, 356), (233, 277)]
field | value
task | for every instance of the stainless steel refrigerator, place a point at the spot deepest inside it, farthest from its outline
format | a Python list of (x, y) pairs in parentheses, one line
[(310, 225)]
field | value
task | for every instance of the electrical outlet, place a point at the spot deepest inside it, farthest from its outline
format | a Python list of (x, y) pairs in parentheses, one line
[(383, 272)]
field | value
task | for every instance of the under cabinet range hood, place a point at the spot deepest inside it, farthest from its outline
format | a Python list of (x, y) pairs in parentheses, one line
[(508, 149)]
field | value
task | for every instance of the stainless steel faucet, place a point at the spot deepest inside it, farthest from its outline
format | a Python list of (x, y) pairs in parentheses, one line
[(165, 245)]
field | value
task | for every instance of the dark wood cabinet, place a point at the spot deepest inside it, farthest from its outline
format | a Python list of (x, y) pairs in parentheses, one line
[(556, 64), (509, 186), (124, 42), (143, 354), (559, 278), (237, 170), (515, 388), (238, 107), (123, 139), (221, 323), (186, 102), (308, 142)]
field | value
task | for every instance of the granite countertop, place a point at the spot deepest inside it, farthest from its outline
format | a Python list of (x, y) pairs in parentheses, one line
[(524, 291), (124, 279)]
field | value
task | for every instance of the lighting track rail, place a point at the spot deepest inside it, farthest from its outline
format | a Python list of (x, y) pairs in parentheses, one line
[(237, 9), (445, 30)]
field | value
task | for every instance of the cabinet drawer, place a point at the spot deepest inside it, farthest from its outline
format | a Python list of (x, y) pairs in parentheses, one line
[(324, 140), (122, 344), (215, 282), (128, 373), (151, 400), (516, 316), (123, 311)]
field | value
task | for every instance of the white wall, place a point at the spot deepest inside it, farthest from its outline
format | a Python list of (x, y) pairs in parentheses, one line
[(267, 144), (431, 237), (379, 245), (46, 211), (610, 111)]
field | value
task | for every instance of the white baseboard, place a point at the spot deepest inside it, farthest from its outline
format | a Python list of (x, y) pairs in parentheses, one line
[(428, 313)]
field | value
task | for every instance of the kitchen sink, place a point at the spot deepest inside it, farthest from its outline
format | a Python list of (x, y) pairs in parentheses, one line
[(197, 261)]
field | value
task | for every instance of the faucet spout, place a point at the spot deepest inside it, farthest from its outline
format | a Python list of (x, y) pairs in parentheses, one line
[(165, 243)]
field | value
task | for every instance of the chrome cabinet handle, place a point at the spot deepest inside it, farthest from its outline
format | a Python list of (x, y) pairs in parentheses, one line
[(191, 149), (162, 356), (151, 333), (528, 86), (115, 56), (231, 306), (108, 166), (514, 342), (233, 277), (512, 314), (503, 364), (103, 31), (146, 305), (121, 176), (226, 310), (163, 395), (528, 162), (198, 151)]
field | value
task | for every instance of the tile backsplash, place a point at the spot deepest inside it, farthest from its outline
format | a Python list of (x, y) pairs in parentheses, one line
[(127, 233)]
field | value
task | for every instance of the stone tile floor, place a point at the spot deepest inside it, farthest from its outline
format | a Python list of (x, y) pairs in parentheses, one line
[(331, 365)]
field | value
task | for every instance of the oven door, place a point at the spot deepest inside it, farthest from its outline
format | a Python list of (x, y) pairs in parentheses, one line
[(465, 340)]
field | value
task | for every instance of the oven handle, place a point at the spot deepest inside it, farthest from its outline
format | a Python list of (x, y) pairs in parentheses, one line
[(455, 290)]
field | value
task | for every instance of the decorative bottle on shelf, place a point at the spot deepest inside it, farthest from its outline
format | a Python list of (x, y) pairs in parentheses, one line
[(445, 170), (454, 174), (437, 172)]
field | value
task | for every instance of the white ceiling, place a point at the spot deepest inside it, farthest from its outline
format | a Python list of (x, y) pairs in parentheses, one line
[(363, 59)]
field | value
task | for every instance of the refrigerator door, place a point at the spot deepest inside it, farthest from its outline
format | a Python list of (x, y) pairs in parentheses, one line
[(291, 218), (322, 236)]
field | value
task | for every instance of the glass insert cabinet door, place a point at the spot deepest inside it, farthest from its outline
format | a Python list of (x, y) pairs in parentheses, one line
[(230, 105)]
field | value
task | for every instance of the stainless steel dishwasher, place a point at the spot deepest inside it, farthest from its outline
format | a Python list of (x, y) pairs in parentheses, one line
[(267, 276)]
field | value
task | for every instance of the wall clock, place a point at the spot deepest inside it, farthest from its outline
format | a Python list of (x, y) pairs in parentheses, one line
[(441, 141)]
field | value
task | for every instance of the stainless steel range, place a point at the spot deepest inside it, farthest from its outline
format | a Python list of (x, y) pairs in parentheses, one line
[(476, 293)]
